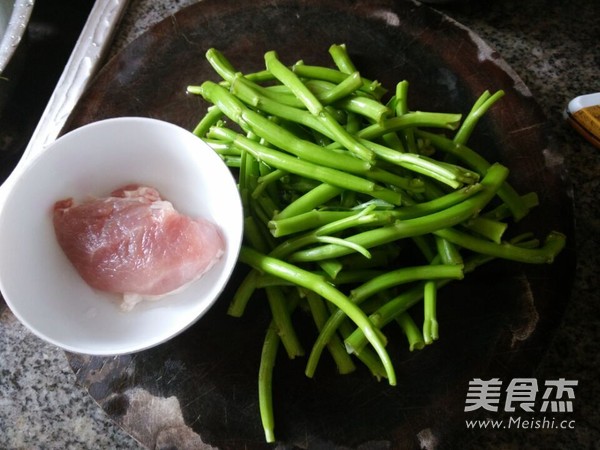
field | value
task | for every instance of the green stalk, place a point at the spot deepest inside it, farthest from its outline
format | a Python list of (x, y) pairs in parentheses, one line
[(417, 226), (220, 64), (553, 245), (316, 235), (484, 103), (243, 294), (211, 118), (381, 258), (335, 346), (401, 99), (222, 148), (339, 54), (388, 312), (318, 285), (449, 174), (507, 193), (311, 170), (305, 221), (378, 284), (368, 357), (357, 219), (265, 381), (502, 211), (267, 180), (341, 90), (411, 331), (405, 275), (401, 103), (232, 161), (295, 221), (411, 211), (290, 79), (343, 243), (412, 119), (260, 77), (331, 267), (355, 184), (362, 105), (430, 323), (273, 133), (268, 102), (425, 246), (328, 94), (287, 106), (282, 319), (447, 251), (488, 228), (312, 199), (412, 296), (296, 86), (335, 76)]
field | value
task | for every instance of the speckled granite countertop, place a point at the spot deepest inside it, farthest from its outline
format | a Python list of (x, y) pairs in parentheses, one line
[(554, 46)]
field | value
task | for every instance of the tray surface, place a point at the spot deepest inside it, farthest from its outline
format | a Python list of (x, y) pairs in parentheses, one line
[(202, 385)]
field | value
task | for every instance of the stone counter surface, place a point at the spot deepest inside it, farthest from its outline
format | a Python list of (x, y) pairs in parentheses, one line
[(554, 46)]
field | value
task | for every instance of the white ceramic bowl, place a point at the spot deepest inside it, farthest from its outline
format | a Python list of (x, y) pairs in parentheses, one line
[(41, 286)]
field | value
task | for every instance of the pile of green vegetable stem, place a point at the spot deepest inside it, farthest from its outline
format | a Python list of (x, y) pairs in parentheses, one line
[(357, 210)]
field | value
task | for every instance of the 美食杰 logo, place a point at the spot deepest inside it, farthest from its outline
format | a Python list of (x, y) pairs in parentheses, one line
[(550, 399)]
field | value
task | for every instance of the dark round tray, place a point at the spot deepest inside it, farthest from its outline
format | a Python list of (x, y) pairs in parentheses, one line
[(202, 385)]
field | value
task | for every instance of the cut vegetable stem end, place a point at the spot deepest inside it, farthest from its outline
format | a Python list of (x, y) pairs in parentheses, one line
[(318, 284)]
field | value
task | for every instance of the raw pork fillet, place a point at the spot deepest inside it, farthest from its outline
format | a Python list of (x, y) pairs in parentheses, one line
[(135, 243)]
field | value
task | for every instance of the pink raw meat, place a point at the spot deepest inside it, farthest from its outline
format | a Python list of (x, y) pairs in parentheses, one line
[(135, 243)]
